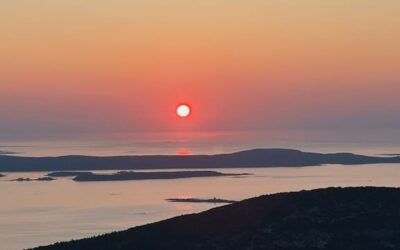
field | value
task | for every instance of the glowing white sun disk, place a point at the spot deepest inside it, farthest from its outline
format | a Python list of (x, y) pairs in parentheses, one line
[(183, 110)]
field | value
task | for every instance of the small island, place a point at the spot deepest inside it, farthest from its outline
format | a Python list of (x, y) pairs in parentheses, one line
[(67, 173), (7, 153), (197, 200), (134, 175), (37, 179)]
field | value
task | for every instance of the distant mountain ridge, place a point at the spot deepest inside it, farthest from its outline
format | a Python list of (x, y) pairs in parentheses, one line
[(243, 159), (329, 219)]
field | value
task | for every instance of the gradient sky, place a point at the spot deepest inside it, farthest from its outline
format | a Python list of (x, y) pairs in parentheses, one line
[(72, 67)]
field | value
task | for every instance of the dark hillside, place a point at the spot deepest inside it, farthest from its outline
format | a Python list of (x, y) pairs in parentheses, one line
[(333, 218)]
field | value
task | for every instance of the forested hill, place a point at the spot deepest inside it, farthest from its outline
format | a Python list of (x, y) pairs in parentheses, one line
[(334, 218)]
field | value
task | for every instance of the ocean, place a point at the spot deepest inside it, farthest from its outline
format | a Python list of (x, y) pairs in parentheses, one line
[(41, 213)]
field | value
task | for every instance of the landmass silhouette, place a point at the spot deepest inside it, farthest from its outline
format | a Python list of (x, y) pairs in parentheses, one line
[(7, 153), (37, 179), (198, 200), (133, 175), (332, 218), (244, 159)]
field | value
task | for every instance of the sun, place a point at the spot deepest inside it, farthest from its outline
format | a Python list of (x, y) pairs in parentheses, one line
[(183, 110)]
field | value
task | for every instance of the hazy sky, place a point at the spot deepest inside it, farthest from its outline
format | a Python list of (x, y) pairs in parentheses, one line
[(71, 67)]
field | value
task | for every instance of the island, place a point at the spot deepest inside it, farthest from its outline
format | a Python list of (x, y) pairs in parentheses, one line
[(67, 173), (37, 179), (328, 219), (134, 175), (390, 154), (7, 153), (244, 159), (197, 200)]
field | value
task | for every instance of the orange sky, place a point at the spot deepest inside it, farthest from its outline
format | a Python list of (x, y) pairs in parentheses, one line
[(70, 67)]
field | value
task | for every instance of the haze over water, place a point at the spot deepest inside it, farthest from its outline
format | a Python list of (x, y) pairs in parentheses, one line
[(217, 142), (72, 68)]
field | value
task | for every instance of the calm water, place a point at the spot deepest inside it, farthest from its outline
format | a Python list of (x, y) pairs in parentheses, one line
[(37, 213)]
